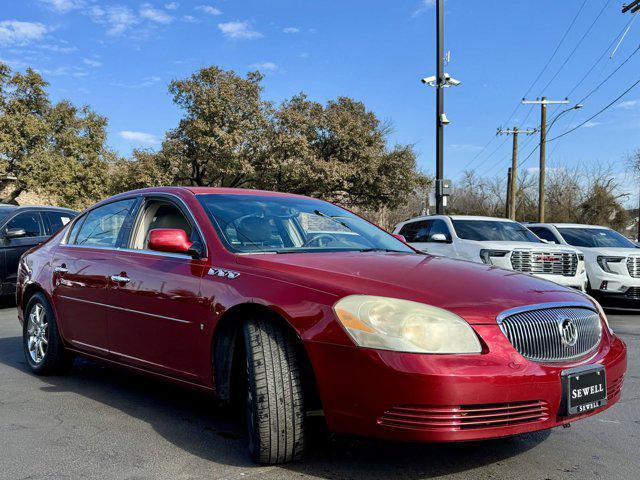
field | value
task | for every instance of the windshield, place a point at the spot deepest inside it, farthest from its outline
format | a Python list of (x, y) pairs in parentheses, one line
[(493, 230), (254, 223), (595, 237)]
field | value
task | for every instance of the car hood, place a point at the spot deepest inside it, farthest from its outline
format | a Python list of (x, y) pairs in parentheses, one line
[(545, 247), (476, 292), (612, 252)]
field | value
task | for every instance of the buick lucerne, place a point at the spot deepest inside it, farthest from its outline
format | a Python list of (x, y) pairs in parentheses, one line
[(296, 308)]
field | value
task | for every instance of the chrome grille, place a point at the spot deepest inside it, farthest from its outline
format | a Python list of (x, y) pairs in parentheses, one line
[(633, 265), (550, 263), (536, 334)]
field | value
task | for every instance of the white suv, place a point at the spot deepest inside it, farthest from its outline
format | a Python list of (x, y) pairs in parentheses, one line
[(612, 261), (495, 241)]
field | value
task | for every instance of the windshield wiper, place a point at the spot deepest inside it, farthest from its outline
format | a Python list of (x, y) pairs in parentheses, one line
[(333, 219), (382, 250)]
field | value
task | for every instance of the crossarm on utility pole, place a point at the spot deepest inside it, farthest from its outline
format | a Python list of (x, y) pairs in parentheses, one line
[(513, 171)]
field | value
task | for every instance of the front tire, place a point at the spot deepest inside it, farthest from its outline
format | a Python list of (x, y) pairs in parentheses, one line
[(43, 348), (275, 403)]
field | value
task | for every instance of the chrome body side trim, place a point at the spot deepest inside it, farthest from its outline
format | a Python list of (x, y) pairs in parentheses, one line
[(74, 299)]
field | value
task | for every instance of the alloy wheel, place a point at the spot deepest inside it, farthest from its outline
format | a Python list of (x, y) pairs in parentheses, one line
[(37, 334)]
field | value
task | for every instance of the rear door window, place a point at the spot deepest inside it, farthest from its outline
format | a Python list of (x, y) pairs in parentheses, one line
[(54, 221), (101, 227)]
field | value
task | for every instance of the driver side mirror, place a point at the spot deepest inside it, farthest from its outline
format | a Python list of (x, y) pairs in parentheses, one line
[(397, 236), (439, 238), (170, 240), (15, 233)]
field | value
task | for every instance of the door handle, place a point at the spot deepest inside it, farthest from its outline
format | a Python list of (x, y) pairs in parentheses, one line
[(120, 279), (60, 269)]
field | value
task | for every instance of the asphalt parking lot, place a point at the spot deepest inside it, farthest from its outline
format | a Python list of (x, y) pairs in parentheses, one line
[(100, 422)]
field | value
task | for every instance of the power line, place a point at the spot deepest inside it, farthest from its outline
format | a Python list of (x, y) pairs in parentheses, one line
[(609, 105), (544, 69), (577, 46), (557, 48), (610, 75)]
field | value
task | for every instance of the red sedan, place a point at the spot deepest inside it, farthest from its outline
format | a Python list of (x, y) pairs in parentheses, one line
[(299, 308)]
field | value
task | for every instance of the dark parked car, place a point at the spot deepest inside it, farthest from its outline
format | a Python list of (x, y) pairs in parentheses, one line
[(22, 228), (296, 308)]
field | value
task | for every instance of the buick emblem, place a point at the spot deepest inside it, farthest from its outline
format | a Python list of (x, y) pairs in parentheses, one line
[(568, 331)]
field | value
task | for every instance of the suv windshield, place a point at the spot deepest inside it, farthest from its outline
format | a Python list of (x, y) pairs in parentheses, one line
[(493, 230), (256, 223), (595, 237)]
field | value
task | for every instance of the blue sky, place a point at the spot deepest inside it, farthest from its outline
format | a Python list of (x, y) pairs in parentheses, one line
[(119, 56)]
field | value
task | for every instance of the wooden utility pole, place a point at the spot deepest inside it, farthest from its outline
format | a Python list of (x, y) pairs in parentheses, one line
[(543, 102), (513, 176), (507, 203)]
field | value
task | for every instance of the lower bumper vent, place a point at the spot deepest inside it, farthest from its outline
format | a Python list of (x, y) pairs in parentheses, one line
[(633, 292), (465, 417)]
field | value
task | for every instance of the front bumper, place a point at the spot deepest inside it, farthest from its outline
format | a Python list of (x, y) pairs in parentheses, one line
[(578, 282), (444, 398), (615, 290)]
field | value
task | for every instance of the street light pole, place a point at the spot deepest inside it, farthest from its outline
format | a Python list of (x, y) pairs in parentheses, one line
[(440, 82)]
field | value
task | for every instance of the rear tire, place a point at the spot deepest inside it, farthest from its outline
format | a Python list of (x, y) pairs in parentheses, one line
[(275, 403), (43, 348)]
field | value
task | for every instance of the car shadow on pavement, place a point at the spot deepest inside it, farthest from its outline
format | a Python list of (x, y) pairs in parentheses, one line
[(191, 421)]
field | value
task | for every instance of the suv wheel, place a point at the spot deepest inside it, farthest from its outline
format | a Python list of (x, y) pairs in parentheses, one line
[(275, 403), (43, 347)]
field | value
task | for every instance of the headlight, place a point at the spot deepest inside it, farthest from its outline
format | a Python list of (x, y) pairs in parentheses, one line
[(486, 255), (601, 312), (400, 325), (605, 261)]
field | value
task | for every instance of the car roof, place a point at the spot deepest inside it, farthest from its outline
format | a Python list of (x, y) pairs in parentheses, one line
[(455, 217), (208, 191), (571, 225), (8, 207), (479, 217)]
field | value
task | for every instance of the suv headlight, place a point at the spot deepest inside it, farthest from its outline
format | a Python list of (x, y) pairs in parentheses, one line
[(404, 326), (605, 261), (486, 255)]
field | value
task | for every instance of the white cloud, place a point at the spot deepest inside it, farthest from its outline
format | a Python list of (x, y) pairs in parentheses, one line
[(190, 19), (153, 14), (65, 71), (117, 18), (58, 48), (144, 83), (629, 104), (592, 124), (63, 6), (238, 31), (14, 32), (171, 5), (425, 5), (291, 30), (91, 62), (208, 9), (265, 66), (139, 137)]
